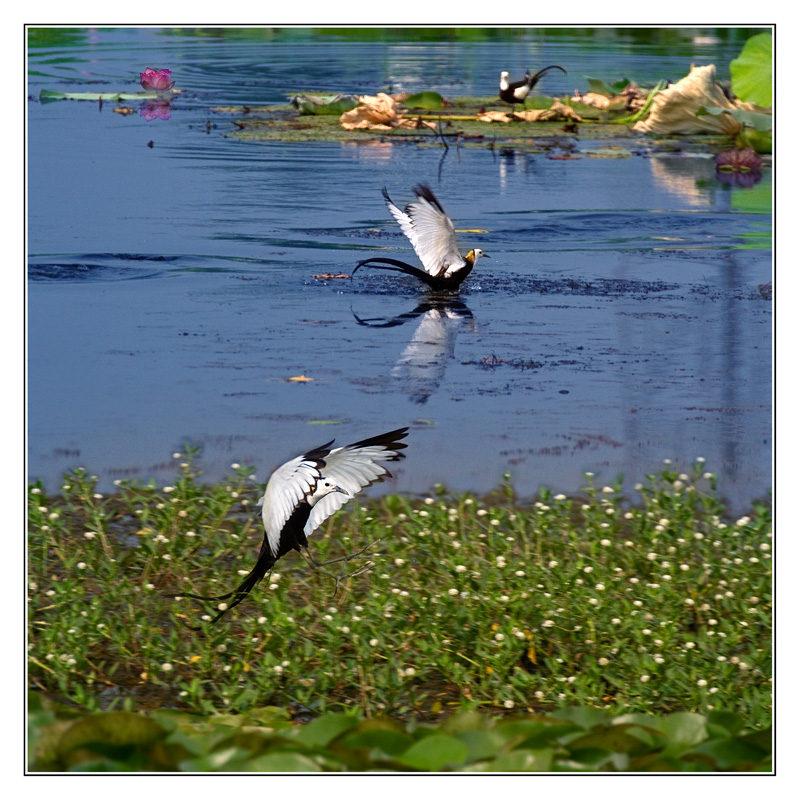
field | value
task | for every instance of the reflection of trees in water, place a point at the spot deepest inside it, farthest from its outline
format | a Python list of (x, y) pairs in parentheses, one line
[(423, 363)]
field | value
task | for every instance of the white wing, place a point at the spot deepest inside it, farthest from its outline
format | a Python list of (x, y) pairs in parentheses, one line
[(353, 468), (288, 486), (429, 230)]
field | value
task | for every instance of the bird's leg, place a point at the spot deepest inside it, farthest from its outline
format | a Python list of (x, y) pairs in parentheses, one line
[(346, 557), (343, 575)]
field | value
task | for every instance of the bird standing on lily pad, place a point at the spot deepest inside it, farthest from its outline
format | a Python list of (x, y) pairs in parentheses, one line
[(517, 92), (302, 493), (433, 238)]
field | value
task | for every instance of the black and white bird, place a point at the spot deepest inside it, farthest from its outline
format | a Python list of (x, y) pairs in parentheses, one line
[(433, 238), (302, 493), (517, 92)]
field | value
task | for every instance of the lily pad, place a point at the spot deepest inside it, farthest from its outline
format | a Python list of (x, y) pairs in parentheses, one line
[(46, 95)]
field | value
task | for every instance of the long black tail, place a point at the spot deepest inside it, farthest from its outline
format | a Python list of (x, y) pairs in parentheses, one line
[(394, 266), (534, 78), (265, 563)]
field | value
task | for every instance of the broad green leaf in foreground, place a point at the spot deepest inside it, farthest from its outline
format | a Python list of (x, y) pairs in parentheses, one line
[(751, 72)]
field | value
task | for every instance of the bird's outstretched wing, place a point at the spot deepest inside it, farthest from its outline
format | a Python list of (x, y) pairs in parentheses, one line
[(290, 484), (354, 467), (429, 230)]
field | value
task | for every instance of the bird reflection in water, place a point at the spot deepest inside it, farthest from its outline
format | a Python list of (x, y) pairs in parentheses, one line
[(422, 365)]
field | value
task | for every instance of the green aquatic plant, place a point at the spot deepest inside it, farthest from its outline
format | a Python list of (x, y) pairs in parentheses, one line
[(751, 71), (574, 739), (655, 603)]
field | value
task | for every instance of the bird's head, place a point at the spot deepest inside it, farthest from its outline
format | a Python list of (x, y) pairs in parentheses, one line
[(324, 487), (475, 254)]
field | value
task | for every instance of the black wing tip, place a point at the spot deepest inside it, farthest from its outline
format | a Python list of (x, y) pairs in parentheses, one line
[(390, 440), (318, 453), (424, 192)]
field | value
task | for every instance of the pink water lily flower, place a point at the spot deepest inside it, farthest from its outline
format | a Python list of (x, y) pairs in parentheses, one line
[(156, 80)]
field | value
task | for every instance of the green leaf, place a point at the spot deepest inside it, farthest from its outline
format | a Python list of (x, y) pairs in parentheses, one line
[(280, 762), (323, 730), (585, 716), (551, 735), (389, 742), (435, 752), (118, 728), (591, 757), (683, 729), (598, 86), (426, 100), (523, 761), (751, 72), (229, 759), (760, 141), (732, 754), (731, 722), (270, 716), (466, 721), (481, 744), (613, 738)]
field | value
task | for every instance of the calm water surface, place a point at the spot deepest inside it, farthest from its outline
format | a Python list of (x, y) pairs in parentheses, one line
[(172, 294)]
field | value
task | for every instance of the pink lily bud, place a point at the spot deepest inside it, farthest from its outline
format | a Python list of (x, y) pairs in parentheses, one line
[(156, 80), (738, 160)]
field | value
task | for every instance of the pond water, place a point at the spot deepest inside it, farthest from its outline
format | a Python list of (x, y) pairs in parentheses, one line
[(172, 296)]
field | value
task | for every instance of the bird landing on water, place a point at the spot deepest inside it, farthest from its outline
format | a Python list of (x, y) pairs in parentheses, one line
[(433, 238), (302, 493), (517, 92)]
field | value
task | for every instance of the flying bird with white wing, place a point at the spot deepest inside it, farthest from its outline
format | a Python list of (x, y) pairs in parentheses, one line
[(302, 493)]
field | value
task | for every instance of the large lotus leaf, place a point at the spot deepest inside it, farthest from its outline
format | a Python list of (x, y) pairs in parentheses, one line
[(751, 72)]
